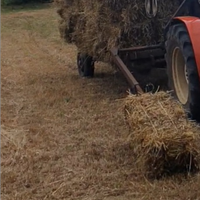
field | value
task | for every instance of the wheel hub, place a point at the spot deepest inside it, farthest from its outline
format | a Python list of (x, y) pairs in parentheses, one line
[(180, 76)]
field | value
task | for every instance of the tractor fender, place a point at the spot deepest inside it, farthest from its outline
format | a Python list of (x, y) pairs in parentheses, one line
[(193, 26)]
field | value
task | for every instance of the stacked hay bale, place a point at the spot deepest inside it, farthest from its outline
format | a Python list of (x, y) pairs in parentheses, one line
[(164, 140), (95, 25)]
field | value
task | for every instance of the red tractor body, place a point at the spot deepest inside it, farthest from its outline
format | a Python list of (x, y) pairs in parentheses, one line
[(181, 52)]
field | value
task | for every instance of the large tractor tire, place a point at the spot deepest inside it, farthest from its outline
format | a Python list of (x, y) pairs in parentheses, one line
[(182, 70), (85, 65)]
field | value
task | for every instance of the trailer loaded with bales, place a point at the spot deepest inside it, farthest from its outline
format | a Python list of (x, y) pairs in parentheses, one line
[(138, 36)]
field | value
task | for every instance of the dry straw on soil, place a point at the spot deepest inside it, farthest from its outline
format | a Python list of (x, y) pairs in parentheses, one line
[(165, 141), (95, 25)]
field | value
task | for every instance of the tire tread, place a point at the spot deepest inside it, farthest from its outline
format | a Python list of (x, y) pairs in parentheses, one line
[(178, 33)]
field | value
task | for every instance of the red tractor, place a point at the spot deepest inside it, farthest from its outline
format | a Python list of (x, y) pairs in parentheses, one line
[(179, 53)]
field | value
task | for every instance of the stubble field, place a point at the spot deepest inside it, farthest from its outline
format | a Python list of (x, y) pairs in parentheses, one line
[(64, 137)]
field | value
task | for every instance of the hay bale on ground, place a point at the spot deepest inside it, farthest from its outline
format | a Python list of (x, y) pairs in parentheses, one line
[(164, 139), (95, 25)]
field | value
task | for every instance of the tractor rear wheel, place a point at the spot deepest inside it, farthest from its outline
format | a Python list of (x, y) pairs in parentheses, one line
[(182, 70), (85, 65)]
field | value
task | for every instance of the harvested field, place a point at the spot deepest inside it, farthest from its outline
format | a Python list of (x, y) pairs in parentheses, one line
[(63, 137)]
